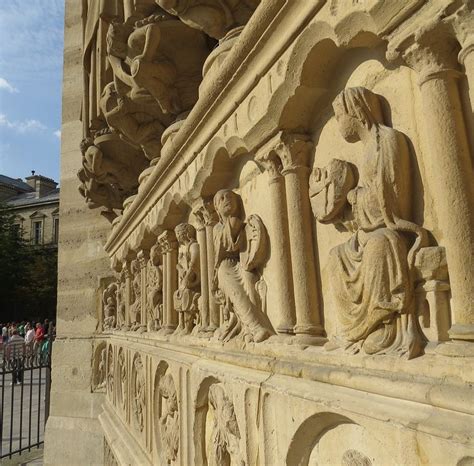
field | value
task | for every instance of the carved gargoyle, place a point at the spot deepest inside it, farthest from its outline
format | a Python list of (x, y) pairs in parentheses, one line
[(372, 274), (240, 250)]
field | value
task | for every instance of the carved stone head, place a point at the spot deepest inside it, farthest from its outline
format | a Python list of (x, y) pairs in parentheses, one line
[(355, 109), (185, 233), (228, 204)]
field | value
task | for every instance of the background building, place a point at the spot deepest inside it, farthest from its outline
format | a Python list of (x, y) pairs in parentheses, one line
[(35, 203)]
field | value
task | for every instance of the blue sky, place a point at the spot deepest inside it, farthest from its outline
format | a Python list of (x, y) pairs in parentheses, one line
[(31, 57)]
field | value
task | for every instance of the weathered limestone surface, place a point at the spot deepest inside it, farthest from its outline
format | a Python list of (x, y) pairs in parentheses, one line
[(286, 274)]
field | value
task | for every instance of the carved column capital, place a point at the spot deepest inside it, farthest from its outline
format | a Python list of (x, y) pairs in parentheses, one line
[(430, 51), (168, 241), (285, 153), (206, 214)]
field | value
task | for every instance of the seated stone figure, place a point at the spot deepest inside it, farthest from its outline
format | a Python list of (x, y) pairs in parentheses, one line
[(372, 273), (240, 250)]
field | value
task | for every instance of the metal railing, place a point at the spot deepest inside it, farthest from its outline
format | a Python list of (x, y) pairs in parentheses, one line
[(24, 397)]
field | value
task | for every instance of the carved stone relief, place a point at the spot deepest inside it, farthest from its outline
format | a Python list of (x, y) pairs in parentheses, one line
[(372, 274), (223, 448), (168, 417), (109, 305), (110, 384), (154, 286), (188, 293), (122, 382), (138, 394), (240, 250), (122, 298), (100, 368), (135, 295)]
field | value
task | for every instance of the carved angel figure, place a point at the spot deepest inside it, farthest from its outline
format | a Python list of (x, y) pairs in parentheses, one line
[(109, 302), (223, 448), (154, 289), (189, 289), (372, 273), (240, 249), (169, 418)]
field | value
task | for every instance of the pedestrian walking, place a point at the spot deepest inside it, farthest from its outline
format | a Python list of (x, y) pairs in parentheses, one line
[(15, 352)]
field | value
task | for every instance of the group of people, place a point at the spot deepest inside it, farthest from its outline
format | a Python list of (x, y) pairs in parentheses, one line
[(22, 340)]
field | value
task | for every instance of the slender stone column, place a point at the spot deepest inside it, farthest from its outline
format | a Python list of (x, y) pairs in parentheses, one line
[(143, 256), (294, 152), (210, 218), (163, 316), (202, 241), (170, 244), (449, 172), (279, 238), (128, 297)]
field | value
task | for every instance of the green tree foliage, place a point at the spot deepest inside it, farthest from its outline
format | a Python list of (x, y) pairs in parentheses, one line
[(28, 274)]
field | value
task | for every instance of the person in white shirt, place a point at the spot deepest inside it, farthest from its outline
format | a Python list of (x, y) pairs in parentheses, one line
[(29, 338)]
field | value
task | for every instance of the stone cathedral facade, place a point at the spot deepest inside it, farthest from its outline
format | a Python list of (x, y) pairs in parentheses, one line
[(267, 242)]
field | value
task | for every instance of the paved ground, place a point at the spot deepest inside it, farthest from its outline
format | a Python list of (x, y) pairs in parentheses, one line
[(17, 431)]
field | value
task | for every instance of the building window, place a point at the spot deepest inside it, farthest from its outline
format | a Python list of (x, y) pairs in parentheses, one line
[(56, 230), (37, 232)]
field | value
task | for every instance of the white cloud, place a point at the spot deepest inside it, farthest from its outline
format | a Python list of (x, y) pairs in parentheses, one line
[(4, 84), (57, 133), (21, 127)]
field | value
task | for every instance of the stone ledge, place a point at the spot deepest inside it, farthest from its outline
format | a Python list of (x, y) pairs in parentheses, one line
[(421, 380)]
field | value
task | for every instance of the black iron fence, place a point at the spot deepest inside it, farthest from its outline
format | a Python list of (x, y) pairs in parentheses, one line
[(24, 399)]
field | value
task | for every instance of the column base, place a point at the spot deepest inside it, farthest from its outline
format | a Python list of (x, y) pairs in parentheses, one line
[(462, 332), (308, 340), (167, 329), (286, 330), (456, 349), (317, 330)]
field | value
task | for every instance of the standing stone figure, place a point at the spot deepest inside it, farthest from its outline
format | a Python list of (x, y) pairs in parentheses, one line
[(187, 295), (372, 273), (240, 248), (154, 284), (109, 301), (136, 295)]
